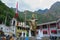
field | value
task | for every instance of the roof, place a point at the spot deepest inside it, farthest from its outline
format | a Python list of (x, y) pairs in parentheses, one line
[(58, 20), (47, 23)]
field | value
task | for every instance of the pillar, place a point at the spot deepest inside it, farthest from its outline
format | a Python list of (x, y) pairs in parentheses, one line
[(22, 34), (29, 33), (48, 29), (25, 34)]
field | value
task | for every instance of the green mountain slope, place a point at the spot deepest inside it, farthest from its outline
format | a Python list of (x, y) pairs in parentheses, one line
[(51, 15), (5, 12), (54, 11), (41, 18)]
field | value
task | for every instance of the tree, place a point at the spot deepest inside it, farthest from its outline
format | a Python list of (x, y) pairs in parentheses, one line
[(5, 12)]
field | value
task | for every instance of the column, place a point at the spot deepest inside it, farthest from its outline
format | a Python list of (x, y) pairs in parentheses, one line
[(29, 33), (48, 29), (25, 34), (22, 34)]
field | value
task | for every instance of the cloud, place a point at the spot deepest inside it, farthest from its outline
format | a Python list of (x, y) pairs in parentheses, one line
[(23, 6), (40, 4), (31, 5), (10, 3)]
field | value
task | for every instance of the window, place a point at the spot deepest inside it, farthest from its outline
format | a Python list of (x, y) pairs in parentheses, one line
[(58, 31), (18, 28), (44, 26), (13, 23), (38, 27), (45, 32), (53, 25), (54, 31)]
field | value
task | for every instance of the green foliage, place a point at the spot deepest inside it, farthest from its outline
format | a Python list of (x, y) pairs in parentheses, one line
[(42, 18), (5, 12), (2, 17), (7, 23), (20, 19)]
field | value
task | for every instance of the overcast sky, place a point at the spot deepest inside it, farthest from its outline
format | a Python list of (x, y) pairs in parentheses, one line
[(30, 5)]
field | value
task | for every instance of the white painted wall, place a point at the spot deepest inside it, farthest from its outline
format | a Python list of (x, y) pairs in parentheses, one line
[(7, 30), (40, 34)]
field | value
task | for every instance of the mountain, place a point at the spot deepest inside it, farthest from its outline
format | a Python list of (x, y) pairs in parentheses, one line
[(41, 11), (55, 6), (54, 10), (43, 16)]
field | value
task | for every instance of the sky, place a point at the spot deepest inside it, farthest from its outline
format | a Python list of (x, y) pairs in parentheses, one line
[(31, 5)]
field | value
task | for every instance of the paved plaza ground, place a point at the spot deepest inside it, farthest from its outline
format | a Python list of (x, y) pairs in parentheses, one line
[(34, 38)]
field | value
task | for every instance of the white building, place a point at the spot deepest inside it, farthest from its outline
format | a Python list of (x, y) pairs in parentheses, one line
[(5, 29), (9, 30), (39, 35)]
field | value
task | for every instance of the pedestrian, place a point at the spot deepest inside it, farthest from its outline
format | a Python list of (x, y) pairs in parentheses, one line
[(0, 38), (11, 38), (7, 37), (3, 38)]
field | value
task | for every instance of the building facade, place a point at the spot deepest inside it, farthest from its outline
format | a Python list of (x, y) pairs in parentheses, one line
[(22, 30), (49, 29)]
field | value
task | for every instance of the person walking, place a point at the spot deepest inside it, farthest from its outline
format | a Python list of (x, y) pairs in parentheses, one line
[(11, 38), (3, 38), (7, 37)]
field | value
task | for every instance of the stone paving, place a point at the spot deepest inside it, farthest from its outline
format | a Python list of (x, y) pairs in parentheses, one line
[(33, 38)]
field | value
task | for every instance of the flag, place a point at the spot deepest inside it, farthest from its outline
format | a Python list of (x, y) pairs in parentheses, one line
[(16, 14)]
